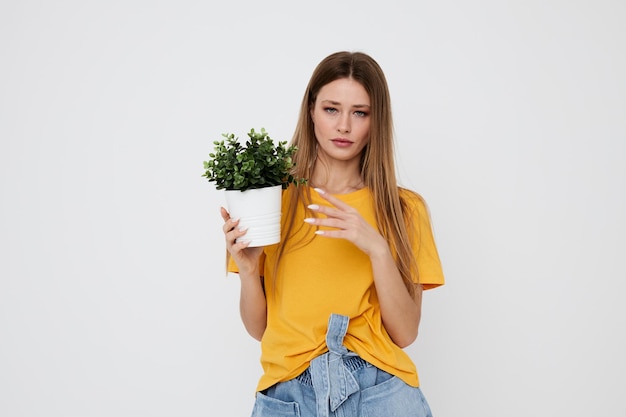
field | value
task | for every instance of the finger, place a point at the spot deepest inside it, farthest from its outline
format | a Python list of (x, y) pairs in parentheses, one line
[(336, 234), (332, 212), (242, 244), (327, 222), (233, 236), (333, 200), (230, 225), (328, 211), (238, 249), (225, 214)]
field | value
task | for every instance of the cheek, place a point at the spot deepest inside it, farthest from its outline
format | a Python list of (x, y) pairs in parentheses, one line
[(320, 122), (317, 130), (365, 131)]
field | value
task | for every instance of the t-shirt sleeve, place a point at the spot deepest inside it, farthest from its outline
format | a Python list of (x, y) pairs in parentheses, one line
[(423, 242), (232, 265)]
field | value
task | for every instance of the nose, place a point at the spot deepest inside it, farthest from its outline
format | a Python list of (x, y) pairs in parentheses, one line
[(344, 124)]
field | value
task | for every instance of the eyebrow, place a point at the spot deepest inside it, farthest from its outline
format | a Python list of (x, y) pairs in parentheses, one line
[(336, 103)]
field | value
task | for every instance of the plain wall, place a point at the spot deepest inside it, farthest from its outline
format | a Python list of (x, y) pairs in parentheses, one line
[(510, 121)]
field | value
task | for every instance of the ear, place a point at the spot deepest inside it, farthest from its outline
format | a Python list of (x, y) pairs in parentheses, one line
[(312, 113)]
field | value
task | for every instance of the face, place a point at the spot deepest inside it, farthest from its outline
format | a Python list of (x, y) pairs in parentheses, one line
[(341, 117)]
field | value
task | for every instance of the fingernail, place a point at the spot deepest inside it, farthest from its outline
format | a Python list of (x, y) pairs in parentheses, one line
[(319, 190), (242, 229), (309, 220), (235, 220), (319, 232), (313, 206)]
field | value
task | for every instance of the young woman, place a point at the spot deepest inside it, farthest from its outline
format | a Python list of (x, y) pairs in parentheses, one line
[(336, 301)]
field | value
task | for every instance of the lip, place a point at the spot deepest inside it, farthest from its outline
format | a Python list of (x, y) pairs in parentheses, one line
[(341, 142)]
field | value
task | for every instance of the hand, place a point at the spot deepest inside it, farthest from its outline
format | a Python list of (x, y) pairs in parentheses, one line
[(247, 259), (348, 224)]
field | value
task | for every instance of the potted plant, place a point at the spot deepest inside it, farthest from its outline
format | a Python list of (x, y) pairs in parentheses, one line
[(253, 177)]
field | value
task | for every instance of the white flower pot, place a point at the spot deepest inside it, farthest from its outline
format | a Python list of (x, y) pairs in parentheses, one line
[(259, 211)]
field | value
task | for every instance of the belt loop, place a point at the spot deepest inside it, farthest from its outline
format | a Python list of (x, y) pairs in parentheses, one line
[(337, 328)]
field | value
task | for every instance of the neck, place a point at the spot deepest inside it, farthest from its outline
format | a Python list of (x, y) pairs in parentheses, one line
[(336, 179)]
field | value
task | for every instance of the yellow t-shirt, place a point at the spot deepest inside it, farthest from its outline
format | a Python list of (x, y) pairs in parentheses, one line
[(333, 276)]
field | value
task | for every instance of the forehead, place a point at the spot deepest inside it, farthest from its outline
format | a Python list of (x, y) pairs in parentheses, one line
[(344, 91)]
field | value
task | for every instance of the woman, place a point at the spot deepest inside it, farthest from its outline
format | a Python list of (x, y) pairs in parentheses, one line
[(335, 302)]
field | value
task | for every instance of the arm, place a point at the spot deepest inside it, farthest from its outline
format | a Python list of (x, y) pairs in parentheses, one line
[(252, 303), (400, 312)]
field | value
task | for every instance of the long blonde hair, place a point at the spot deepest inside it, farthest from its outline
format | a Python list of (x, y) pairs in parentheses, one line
[(377, 160)]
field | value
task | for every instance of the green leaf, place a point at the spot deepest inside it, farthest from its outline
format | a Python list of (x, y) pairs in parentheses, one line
[(260, 163)]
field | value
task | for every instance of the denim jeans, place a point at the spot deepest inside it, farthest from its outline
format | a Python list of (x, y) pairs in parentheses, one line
[(341, 384)]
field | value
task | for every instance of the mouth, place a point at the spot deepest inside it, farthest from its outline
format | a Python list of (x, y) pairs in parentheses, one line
[(341, 142)]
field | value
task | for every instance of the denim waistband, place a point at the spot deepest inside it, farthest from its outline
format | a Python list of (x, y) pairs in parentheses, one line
[(352, 363)]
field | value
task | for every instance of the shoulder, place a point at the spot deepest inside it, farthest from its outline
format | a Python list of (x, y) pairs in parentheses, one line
[(412, 201)]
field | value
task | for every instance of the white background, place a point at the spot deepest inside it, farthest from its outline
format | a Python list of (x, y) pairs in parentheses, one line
[(510, 120)]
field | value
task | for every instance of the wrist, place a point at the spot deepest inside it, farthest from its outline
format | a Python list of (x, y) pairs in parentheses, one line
[(380, 252), (245, 275)]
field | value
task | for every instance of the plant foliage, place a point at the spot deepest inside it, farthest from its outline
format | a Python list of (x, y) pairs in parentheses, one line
[(260, 163)]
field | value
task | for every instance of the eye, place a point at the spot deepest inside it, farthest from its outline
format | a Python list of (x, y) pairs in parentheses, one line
[(330, 109), (360, 113)]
